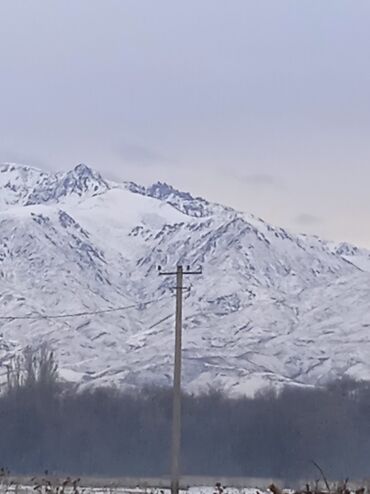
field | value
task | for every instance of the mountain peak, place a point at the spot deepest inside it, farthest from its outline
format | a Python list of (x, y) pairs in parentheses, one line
[(82, 167), (8, 166), (80, 180), (16, 182), (82, 170), (196, 207), (22, 185), (162, 190)]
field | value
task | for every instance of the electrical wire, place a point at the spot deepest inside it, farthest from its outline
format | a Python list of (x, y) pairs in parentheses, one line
[(159, 322), (80, 314)]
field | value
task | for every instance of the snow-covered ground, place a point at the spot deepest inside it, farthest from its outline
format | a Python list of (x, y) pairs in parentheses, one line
[(271, 307), (124, 490), (113, 487)]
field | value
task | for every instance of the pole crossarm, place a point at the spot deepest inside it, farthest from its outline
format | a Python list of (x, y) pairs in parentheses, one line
[(174, 273)]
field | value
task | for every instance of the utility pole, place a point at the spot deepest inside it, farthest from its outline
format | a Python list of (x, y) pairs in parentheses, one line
[(176, 407)]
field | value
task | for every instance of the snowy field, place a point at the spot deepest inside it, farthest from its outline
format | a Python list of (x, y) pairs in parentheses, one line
[(53, 485), (18, 488)]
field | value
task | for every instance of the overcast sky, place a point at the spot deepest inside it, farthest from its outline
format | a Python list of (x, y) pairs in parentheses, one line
[(262, 105)]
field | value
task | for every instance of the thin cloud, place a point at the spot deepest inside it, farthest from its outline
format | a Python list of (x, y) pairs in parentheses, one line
[(261, 180), (139, 154), (306, 219)]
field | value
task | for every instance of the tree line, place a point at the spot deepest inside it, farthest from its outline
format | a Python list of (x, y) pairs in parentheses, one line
[(47, 425)]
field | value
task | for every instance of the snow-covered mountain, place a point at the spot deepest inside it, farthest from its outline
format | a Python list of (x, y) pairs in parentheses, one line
[(270, 308)]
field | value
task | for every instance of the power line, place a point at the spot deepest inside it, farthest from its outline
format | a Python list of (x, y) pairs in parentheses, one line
[(159, 322), (80, 314)]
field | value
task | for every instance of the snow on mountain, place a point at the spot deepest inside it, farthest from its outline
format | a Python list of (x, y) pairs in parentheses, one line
[(183, 201), (356, 255), (271, 308), (23, 185)]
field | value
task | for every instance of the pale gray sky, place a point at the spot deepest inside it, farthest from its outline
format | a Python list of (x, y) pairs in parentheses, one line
[(262, 105)]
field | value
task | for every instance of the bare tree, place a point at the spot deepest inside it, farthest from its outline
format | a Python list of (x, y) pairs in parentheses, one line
[(35, 368)]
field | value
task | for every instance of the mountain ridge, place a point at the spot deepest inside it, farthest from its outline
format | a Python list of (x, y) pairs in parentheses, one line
[(73, 242)]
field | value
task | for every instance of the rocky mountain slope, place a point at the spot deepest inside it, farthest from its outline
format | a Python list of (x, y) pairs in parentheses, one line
[(271, 307)]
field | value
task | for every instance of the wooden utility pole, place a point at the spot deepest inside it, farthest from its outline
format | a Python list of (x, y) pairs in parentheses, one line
[(176, 407)]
